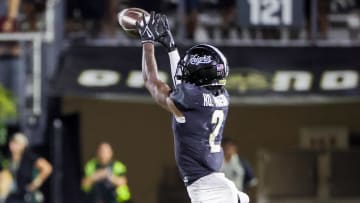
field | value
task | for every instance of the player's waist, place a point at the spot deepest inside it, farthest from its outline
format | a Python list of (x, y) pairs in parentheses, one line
[(191, 175), (206, 179)]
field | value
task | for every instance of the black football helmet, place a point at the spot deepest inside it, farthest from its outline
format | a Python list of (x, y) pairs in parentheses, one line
[(203, 65)]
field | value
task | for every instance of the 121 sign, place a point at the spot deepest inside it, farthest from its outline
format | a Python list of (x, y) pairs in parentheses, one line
[(269, 13)]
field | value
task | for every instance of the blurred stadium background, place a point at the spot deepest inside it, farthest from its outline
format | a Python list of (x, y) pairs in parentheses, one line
[(74, 79)]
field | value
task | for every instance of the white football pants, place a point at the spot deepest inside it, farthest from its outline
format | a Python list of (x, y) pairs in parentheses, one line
[(215, 188)]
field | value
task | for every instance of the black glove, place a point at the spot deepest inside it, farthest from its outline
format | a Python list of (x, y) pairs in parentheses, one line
[(165, 37), (148, 29)]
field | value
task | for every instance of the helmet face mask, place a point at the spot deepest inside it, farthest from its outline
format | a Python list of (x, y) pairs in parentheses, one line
[(203, 65)]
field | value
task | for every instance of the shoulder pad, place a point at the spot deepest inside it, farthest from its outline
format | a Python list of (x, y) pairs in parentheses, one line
[(186, 96)]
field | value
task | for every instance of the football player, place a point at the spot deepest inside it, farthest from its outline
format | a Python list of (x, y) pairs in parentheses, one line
[(199, 104)]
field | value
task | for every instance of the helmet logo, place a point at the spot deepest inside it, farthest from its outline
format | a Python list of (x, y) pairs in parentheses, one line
[(196, 59), (220, 67)]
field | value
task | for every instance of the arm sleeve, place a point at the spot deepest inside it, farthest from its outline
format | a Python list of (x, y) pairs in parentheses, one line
[(90, 168), (119, 169), (174, 61)]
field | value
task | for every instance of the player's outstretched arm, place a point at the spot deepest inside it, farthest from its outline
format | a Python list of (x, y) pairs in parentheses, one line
[(158, 89), (148, 32)]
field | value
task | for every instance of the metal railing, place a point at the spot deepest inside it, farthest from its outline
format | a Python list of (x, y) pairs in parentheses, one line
[(36, 39)]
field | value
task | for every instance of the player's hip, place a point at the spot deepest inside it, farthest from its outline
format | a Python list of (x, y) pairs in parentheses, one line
[(214, 187)]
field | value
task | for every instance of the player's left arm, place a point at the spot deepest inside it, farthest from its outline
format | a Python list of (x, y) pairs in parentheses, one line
[(158, 89)]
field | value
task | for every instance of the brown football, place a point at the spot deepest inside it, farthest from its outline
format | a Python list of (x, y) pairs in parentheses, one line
[(128, 17)]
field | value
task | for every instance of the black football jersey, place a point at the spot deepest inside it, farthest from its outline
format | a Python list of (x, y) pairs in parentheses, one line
[(198, 136)]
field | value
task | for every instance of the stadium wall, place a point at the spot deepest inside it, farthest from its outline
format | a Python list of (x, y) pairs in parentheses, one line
[(141, 133)]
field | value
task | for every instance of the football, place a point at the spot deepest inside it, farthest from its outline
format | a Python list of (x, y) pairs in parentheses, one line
[(128, 17)]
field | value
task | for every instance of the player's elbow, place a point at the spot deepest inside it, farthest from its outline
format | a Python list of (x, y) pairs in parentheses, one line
[(156, 93), (148, 85), (151, 87)]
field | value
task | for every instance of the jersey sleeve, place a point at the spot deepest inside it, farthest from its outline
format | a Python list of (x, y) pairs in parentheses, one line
[(185, 97), (119, 169), (90, 168)]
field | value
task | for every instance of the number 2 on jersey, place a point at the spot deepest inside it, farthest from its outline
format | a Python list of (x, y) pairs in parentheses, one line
[(217, 120)]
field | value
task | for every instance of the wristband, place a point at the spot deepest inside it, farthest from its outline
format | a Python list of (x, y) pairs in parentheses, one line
[(172, 48), (147, 41)]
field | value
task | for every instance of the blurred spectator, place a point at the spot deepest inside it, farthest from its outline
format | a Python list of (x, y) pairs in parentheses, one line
[(9, 10), (12, 92), (5, 182), (111, 23), (105, 180), (96, 17), (358, 7), (9, 50), (23, 173), (31, 10), (235, 168), (322, 18), (191, 17), (7, 110), (354, 22), (94, 13), (154, 5), (228, 13)]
